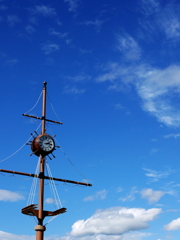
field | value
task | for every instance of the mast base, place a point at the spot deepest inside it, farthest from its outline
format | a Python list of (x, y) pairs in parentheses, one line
[(40, 228)]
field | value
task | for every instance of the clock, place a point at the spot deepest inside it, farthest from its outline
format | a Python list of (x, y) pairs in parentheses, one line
[(43, 145)]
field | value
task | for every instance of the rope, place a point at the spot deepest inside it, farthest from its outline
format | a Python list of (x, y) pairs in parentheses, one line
[(60, 145), (33, 186), (53, 188), (77, 170), (54, 192), (53, 108), (73, 165), (35, 103), (19, 148)]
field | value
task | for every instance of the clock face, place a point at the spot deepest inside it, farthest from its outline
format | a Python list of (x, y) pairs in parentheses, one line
[(46, 143)]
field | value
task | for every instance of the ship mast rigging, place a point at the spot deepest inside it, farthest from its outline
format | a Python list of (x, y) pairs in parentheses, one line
[(42, 145)]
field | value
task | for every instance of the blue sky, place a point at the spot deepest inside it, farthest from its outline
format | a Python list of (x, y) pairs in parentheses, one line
[(113, 73)]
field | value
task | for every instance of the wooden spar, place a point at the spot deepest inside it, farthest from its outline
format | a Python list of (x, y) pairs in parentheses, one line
[(48, 120), (46, 177)]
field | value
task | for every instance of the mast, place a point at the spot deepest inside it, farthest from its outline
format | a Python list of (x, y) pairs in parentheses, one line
[(41, 146), (40, 228)]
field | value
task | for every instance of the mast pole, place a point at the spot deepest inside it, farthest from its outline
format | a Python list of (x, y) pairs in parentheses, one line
[(40, 228)]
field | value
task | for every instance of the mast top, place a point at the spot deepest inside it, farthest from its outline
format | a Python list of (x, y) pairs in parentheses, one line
[(45, 83)]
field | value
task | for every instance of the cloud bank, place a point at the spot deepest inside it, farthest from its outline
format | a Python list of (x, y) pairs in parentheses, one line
[(115, 221)]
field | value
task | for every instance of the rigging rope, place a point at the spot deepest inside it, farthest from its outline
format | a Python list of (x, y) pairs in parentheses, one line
[(19, 148), (77, 170), (33, 186), (53, 108), (35, 103), (31, 136), (53, 188), (60, 145)]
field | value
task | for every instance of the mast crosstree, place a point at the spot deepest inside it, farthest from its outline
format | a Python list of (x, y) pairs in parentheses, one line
[(41, 146)]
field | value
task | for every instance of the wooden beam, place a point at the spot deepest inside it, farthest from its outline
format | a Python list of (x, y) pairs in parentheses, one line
[(46, 177)]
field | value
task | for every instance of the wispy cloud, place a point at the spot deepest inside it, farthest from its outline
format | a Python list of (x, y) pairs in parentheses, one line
[(155, 176), (96, 23), (10, 196), (149, 7), (11, 62), (129, 47), (98, 195), (158, 88), (79, 78), (173, 135), (3, 7), (153, 151), (169, 21), (50, 48), (119, 189), (74, 90), (12, 20), (58, 34), (73, 5), (151, 195), (154, 88), (64, 36), (10, 236), (115, 220), (119, 106), (30, 29), (130, 196), (161, 18), (43, 10)]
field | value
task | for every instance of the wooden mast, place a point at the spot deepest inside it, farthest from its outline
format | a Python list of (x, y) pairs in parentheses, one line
[(40, 228)]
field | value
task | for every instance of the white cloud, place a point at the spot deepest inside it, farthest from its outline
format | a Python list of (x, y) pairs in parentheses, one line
[(73, 5), (50, 200), (156, 175), (149, 7), (169, 21), (159, 89), (96, 23), (173, 225), (10, 236), (116, 221), (119, 189), (151, 195), (129, 47), (50, 48), (130, 196), (58, 34), (98, 195), (173, 135), (43, 10), (73, 90), (79, 78), (6, 195), (126, 236), (153, 151), (161, 18)]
